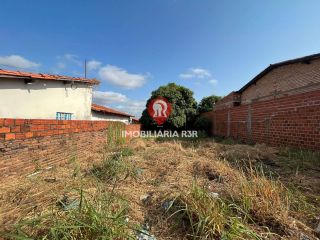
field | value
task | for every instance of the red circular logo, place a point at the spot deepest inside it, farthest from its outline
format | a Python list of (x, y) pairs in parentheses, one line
[(159, 109)]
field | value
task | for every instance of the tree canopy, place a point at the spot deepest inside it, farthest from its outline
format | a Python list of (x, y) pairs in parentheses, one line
[(184, 107), (207, 103)]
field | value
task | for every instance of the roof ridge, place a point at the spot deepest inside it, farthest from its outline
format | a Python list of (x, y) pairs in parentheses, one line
[(100, 108), (276, 65), (46, 76)]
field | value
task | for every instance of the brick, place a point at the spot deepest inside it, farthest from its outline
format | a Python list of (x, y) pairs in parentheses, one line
[(19, 122), (20, 136), (15, 129), (8, 122), (10, 136), (4, 129), (28, 134)]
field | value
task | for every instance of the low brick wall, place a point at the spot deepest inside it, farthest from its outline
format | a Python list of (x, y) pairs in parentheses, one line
[(290, 120), (27, 145)]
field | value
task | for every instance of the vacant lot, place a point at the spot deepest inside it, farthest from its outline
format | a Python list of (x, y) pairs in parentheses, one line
[(175, 189)]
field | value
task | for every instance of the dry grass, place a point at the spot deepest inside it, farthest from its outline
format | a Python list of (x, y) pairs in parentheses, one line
[(205, 216), (252, 204)]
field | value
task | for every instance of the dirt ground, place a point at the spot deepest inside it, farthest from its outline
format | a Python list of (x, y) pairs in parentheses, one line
[(167, 168)]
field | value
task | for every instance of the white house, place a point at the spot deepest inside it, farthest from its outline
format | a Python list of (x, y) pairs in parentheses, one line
[(44, 96), (109, 114)]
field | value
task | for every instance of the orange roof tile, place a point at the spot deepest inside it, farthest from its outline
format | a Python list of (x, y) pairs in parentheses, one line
[(107, 110), (28, 75)]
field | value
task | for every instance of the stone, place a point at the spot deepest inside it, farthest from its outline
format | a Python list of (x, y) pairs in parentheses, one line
[(66, 204), (146, 198), (144, 233), (304, 237), (73, 205), (317, 230), (214, 195), (139, 171), (50, 180), (167, 204)]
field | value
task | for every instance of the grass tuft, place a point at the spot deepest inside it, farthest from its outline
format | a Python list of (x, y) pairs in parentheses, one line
[(116, 167), (205, 217), (264, 199), (115, 135), (104, 217), (300, 160)]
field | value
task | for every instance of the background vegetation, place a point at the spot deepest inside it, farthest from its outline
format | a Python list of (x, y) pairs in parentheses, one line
[(186, 113)]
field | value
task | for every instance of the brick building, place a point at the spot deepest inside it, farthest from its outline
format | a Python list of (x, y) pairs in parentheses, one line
[(280, 106)]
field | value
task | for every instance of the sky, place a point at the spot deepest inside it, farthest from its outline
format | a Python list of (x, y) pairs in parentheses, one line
[(133, 47)]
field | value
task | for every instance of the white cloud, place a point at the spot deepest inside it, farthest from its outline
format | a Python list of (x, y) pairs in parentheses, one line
[(17, 61), (72, 58), (121, 77), (105, 98), (67, 64), (93, 65), (195, 73), (120, 101), (213, 82), (134, 107), (67, 60), (185, 75)]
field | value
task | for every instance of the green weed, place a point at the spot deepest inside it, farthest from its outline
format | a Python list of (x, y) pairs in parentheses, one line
[(299, 160), (116, 167), (104, 217), (115, 135)]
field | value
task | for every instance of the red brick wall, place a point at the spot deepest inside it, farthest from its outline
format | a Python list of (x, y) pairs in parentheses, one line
[(27, 145), (289, 120)]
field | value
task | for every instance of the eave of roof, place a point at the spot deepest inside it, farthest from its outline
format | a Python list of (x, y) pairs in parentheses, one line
[(106, 110), (42, 76), (305, 59)]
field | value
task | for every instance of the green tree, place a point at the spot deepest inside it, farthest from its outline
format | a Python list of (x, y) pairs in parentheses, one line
[(184, 107), (207, 103)]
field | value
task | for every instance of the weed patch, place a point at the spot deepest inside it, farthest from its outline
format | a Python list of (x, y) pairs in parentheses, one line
[(115, 134), (300, 160), (203, 216), (234, 196), (116, 167), (102, 217)]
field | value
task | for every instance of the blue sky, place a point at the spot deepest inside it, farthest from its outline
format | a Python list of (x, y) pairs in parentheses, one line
[(133, 47)]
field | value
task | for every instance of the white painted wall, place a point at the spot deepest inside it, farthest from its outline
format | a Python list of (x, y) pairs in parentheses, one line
[(106, 117), (43, 99)]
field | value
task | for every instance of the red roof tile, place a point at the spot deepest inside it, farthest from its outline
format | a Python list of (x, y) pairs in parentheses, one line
[(28, 75), (107, 110)]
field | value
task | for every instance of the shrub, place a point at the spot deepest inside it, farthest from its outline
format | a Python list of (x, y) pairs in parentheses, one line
[(203, 123)]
